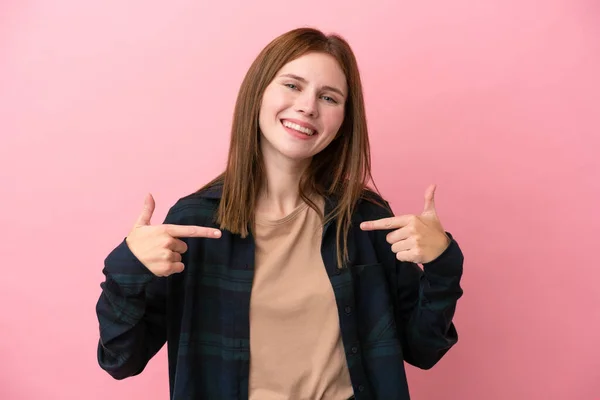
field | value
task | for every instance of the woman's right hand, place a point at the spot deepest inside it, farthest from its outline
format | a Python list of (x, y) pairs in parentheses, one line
[(158, 246)]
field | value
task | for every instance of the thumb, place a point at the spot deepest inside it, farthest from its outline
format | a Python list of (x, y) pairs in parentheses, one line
[(146, 215), (430, 201)]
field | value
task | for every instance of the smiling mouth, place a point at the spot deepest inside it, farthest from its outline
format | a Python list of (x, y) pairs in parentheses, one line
[(298, 128)]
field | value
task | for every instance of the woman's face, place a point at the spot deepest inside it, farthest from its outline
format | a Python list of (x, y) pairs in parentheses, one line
[(302, 108)]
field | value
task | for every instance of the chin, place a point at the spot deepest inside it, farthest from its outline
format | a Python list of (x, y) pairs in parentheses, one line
[(298, 157)]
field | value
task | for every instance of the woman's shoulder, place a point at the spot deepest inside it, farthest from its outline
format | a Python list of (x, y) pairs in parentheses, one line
[(199, 205), (372, 204)]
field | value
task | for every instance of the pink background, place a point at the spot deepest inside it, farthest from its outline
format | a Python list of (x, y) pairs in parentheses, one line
[(495, 101)]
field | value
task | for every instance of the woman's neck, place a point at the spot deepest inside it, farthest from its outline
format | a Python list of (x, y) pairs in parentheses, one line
[(279, 195)]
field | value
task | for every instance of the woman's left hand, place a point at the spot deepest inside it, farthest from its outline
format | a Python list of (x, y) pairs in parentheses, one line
[(418, 238)]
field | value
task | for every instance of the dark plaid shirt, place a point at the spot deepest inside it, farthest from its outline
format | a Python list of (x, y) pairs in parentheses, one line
[(390, 312)]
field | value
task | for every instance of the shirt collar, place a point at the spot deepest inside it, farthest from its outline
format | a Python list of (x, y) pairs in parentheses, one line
[(215, 192)]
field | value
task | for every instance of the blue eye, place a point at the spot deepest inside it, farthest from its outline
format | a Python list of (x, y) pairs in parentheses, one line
[(291, 85), (329, 99)]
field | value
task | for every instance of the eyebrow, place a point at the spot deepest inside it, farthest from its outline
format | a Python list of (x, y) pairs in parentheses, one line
[(301, 79)]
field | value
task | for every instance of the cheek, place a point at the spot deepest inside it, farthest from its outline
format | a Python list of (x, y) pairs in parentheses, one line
[(273, 101), (334, 120), (267, 109)]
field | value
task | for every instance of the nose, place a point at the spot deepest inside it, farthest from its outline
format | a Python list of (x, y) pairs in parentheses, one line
[(306, 104)]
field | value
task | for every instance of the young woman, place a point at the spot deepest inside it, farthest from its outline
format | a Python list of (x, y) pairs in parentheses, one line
[(285, 277)]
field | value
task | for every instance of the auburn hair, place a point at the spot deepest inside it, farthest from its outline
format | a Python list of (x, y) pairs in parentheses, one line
[(342, 170)]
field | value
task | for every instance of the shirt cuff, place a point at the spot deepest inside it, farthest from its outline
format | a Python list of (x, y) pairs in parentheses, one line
[(121, 261), (449, 263)]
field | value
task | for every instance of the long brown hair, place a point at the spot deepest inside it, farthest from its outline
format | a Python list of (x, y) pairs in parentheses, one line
[(341, 170)]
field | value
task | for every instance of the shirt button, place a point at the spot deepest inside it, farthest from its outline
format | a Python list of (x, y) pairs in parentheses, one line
[(348, 309), (354, 349), (361, 388), (338, 271)]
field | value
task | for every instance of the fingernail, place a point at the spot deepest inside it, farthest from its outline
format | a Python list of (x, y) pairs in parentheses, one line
[(217, 233)]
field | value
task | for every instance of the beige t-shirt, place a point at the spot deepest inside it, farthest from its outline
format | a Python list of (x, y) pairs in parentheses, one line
[(296, 350)]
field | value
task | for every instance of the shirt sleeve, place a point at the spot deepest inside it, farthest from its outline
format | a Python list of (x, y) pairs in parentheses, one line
[(425, 301), (425, 306), (131, 312)]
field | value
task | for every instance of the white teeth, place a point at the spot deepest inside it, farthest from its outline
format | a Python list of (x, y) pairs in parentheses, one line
[(298, 128)]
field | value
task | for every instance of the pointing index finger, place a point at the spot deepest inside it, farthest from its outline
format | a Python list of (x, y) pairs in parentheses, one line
[(384, 223), (192, 231)]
